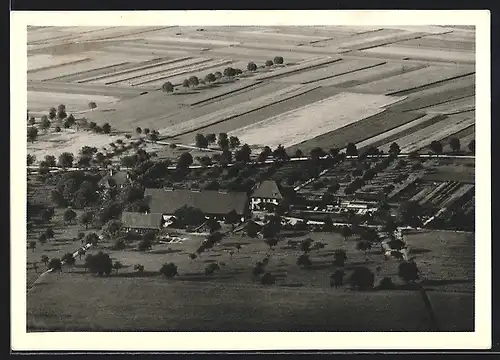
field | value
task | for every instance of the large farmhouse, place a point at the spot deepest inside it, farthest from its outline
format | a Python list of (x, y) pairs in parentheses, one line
[(216, 204), (138, 222), (267, 192)]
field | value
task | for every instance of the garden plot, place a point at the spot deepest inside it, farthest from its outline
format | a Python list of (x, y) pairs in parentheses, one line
[(313, 120), (70, 69), (43, 101), (371, 127), (424, 54), (150, 69), (371, 74), (336, 69), (235, 110), (452, 107), (414, 79), (448, 91), (159, 79), (44, 61), (303, 66), (438, 131)]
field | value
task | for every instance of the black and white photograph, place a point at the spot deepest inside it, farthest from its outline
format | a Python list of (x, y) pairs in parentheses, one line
[(253, 178)]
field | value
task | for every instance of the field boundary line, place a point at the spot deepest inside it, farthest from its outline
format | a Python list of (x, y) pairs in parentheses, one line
[(345, 73), (58, 65), (428, 85), (83, 72)]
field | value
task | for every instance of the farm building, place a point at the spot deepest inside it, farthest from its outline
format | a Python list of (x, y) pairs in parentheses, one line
[(118, 178), (139, 222), (216, 204), (267, 192)]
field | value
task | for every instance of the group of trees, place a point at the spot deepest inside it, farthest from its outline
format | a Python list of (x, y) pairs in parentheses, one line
[(455, 145)]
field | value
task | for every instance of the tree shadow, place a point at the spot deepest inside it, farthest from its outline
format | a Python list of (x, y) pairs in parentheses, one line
[(164, 251), (291, 285), (419, 251), (136, 274), (430, 282)]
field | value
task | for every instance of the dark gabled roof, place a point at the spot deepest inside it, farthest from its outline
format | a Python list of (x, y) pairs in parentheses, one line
[(118, 178), (268, 189), (209, 201), (142, 221)]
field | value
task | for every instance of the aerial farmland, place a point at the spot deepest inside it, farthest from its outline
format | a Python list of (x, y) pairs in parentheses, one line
[(367, 134)]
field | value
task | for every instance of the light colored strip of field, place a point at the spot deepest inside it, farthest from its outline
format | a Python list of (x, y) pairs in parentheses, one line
[(425, 136), (385, 135), (238, 52), (60, 32), (336, 69), (141, 52), (302, 66), (433, 192), (366, 75), (375, 38), (413, 79), (115, 32), (41, 61), (428, 43), (199, 72), (147, 70), (313, 120), (235, 110), (73, 68), (186, 40), (160, 78), (415, 53), (140, 66), (284, 36), (452, 107), (39, 101), (89, 89)]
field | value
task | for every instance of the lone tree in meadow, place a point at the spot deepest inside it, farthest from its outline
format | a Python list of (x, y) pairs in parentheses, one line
[(209, 78), (92, 105), (269, 63), (69, 216), (278, 60), (61, 112), (455, 144), (169, 270), (185, 83), (436, 147), (229, 72), (185, 160), (32, 134), (65, 160), (100, 263), (106, 128), (193, 81), (408, 271), (55, 264), (362, 278), (251, 66), (44, 123), (201, 141), (394, 149), (138, 130), (167, 87), (472, 146), (351, 150)]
